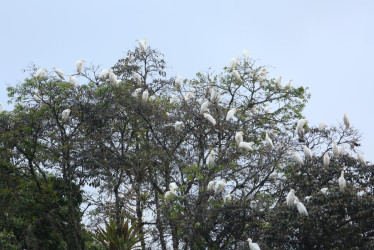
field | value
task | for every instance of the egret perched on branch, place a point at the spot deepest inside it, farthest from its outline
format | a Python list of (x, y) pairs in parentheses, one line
[(41, 72), (230, 114), (324, 190), (137, 77), (59, 73), (80, 65), (211, 185), (178, 126), (361, 159), (268, 141), (298, 158), (204, 107), (253, 246), (211, 158), (239, 137), (346, 121), (104, 73), (1, 107), (73, 80), (178, 81), (335, 150), (342, 181), (142, 44), (246, 54), (65, 114), (246, 145), (300, 125), (112, 78), (37, 98), (279, 82), (173, 187), (236, 75), (170, 194), (288, 85), (145, 95), (290, 197), (210, 118), (220, 186), (300, 207), (308, 153), (190, 94), (326, 159), (136, 92), (233, 62), (322, 126), (213, 94)]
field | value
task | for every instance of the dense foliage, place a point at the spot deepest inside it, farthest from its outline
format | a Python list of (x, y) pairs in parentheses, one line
[(132, 134)]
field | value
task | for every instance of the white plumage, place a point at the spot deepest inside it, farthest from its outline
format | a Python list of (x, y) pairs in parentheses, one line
[(73, 80), (342, 181), (326, 159), (300, 124), (246, 145), (170, 194), (253, 246), (59, 73), (142, 44), (219, 186), (279, 81), (298, 158), (137, 77), (104, 73), (308, 153), (322, 126), (346, 121), (268, 141), (204, 107), (211, 185), (178, 126), (230, 114), (37, 98), (80, 65), (41, 72), (300, 207), (233, 62), (1, 107), (213, 94), (290, 197), (335, 150), (239, 137), (190, 94), (246, 54), (136, 92), (112, 77), (236, 75), (227, 198), (173, 187), (361, 159), (65, 114), (324, 190), (211, 158), (145, 95), (210, 118)]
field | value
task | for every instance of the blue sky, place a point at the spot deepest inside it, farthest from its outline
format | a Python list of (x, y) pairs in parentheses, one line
[(325, 45)]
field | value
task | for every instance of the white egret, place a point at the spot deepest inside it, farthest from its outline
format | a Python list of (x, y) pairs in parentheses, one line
[(104, 73), (246, 54), (335, 150), (80, 65), (227, 198), (268, 141), (204, 107), (178, 81), (290, 197), (267, 110), (65, 114), (37, 98), (326, 159), (145, 95), (239, 137), (236, 75), (170, 194), (136, 92), (279, 81), (173, 187), (213, 94), (361, 159), (178, 126), (297, 158), (1, 107), (288, 85), (230, 114), (346, 121), (342, 149), (246, 145), (322, 126), (324, 190), (73, 80), (300, 207), (59, 73), (190, 94), (142, 44), (233, 62), (300, 124), (211, 185), (152, 98), (253, 246), (342, 181), (41, 72), (137, 77), (308, 153), (211, 158), (112, 77), (210, 118), (219, 186)]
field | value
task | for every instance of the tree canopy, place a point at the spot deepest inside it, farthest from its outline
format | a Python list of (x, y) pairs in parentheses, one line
[(199, 163)]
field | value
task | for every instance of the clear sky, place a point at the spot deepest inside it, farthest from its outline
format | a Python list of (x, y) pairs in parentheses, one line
[(325, 45)]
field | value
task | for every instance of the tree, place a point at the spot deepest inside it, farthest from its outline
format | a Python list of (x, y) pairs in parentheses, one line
[(121, 138)]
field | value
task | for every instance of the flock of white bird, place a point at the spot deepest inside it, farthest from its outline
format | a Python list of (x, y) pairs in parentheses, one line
[(218, 187)]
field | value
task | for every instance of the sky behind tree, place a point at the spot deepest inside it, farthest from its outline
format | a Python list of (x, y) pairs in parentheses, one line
[(327, 46)]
